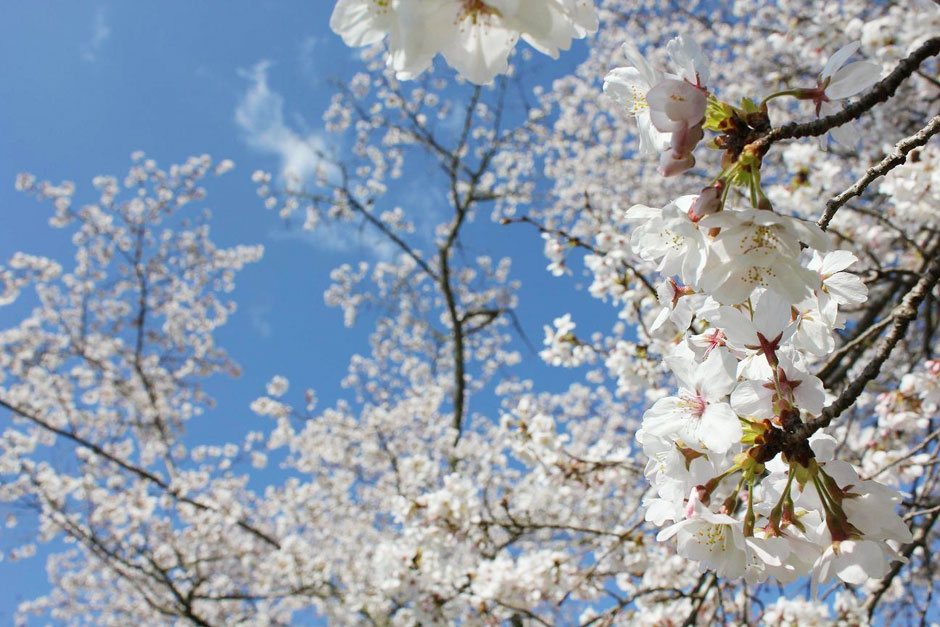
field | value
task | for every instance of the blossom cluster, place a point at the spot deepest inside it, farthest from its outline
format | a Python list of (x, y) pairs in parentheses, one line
[(669, 108), (475, 37), (442, 484), (755, 296), (758, 298)]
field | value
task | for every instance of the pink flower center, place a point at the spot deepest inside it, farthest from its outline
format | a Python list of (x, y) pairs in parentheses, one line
[(476, 8), (694, 404)]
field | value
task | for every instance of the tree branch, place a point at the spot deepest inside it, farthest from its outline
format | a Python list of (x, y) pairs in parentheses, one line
[(920, 538), (893, 160), (880, 92), (902, 316), (140, 472)]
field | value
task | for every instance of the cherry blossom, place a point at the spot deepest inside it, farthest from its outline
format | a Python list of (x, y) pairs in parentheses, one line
[(474, 36), (838, 81), (629, 86), (757, 249), (845, 288), (699, 413), (669, 235), (750, 390), (713, 539)]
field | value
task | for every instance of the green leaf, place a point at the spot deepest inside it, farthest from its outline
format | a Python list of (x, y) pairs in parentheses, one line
[(748, 106), (716, 115)]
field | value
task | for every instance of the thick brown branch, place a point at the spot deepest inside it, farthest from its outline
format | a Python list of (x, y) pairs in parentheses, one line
[(880, 92), (901, 318)]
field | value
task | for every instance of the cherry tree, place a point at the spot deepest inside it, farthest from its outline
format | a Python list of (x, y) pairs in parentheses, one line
[(751, 435)]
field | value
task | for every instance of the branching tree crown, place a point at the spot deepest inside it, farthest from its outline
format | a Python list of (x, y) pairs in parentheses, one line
[(753, 190)]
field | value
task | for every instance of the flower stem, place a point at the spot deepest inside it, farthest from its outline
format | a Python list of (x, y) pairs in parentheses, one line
[(796, 93)]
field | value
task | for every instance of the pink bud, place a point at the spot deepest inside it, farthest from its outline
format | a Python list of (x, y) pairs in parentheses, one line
[(685, 139), (669, 165), (674, 103), (707, 203)]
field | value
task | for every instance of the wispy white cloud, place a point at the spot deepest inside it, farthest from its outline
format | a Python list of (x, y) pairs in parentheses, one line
[(341, 237), (258, 319), (100, 33), (308, 55), (261, 119), (260, 116)]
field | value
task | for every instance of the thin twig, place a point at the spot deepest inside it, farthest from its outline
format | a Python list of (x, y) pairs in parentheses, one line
[(574, 240), (863, 337), (140, 472), (893, 160), (922, 512), (692, 618)]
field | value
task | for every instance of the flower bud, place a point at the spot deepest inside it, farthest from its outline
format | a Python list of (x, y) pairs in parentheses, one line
[(708, 202), (669, 165), (674, 104), (685, 139)]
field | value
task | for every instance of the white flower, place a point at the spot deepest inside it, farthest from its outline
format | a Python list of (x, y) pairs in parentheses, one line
[(844, 287), (843, 81), (556, 251), (672, 475), (765, 330), (767, 557), (758, 398), (629, 86), (816, 318), (759, 248), (675, 105), (715, 540), (698, 414), (277, 386), (688, 57), (411, 45), (664, 104), (870, 507), (474, 36), (363, 22), (674, 306), (668, 234), (853, 561), (548, 26), (562, 347), (477, 40), (838, 81)]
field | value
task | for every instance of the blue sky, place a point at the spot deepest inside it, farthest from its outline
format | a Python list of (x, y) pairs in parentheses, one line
[(85, 84)]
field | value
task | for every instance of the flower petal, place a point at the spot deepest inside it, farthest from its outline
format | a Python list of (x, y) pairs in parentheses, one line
[(719, 428), (852, 79), (838, 59), (846, 288), (751, 398)]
